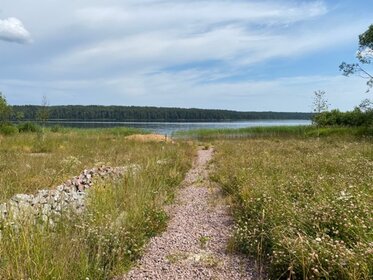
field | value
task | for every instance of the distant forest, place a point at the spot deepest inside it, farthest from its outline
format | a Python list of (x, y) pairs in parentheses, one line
[(149, 114)]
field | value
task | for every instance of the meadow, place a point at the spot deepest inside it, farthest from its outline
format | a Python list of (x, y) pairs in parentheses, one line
[(120, 217), (302, 206), (300, 196)]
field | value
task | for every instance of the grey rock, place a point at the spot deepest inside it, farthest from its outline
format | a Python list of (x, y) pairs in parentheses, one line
[(22, 197), (70, 195)]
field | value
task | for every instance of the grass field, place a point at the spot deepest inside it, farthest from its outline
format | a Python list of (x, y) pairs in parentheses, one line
[(121, 215), (303, 207), (301, 203)]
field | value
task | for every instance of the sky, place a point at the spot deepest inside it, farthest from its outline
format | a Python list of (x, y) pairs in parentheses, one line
[(239, 54)]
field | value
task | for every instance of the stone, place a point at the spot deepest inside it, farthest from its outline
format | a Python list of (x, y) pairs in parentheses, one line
[(81, 187), (69, 195), (3, 210), (35, 201), (46, 210), (22, 197), (43, 193)]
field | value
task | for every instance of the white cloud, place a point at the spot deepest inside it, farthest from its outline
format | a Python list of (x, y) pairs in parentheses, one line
[(12, 30), (156, 34), (202, 12), (235, 46)]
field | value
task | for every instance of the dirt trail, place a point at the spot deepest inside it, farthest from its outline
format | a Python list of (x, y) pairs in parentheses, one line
[(194, 246)]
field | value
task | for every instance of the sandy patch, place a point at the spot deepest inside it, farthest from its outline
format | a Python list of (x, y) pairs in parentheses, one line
[(149, 138)]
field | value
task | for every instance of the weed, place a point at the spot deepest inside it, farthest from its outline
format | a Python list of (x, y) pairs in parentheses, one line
[(176, 257), (203, 241)]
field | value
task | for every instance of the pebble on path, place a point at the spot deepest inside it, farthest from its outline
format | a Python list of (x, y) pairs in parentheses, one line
[(194, 246)]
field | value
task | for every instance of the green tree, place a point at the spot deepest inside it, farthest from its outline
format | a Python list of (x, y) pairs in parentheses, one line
[(364, 56), (43, 112), (5, 109), (320, 105), (19, 116), (42, 115), (366, 105)]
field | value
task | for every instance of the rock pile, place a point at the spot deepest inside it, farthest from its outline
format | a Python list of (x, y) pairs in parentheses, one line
[(68, 196)]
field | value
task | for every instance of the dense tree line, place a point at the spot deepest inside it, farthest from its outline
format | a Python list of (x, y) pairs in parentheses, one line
[(132, 113)]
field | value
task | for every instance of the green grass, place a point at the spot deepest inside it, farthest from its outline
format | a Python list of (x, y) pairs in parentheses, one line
[(302, 206), (273, 131), (120, 217)]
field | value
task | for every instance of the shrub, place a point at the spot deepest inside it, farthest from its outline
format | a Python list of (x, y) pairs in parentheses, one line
[(56, 128), (28, 127), (8, 129), (353, 118)]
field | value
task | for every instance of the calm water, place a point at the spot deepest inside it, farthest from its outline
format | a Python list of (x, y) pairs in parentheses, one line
[(171, 127)]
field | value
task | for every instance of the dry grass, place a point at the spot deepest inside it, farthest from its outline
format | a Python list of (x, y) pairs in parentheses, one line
[(149, 138)]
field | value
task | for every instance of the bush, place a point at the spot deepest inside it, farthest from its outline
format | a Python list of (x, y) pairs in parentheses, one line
[(28, 127), (8, 129), (355, 118), (56, 128)]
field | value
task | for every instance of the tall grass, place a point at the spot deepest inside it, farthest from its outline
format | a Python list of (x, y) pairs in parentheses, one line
[(119, 219), (243, 132), (303, 207), (274, 131)]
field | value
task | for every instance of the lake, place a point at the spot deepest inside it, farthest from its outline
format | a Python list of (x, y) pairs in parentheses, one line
[(168, 128)]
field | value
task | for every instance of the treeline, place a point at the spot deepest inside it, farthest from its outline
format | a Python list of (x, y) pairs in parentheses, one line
[(133, 113), (354, 118)]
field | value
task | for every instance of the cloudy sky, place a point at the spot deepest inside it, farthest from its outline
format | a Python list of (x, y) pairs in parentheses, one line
[(228, 54)]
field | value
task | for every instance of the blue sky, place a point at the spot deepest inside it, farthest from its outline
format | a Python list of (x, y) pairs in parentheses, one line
[(240, 55)]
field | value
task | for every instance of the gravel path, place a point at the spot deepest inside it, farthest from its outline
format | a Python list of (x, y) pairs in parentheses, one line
[(194, 246)]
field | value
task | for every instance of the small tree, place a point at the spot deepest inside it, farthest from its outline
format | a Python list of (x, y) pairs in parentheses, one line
[(43, 114), (5, 109), (320, 104)]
